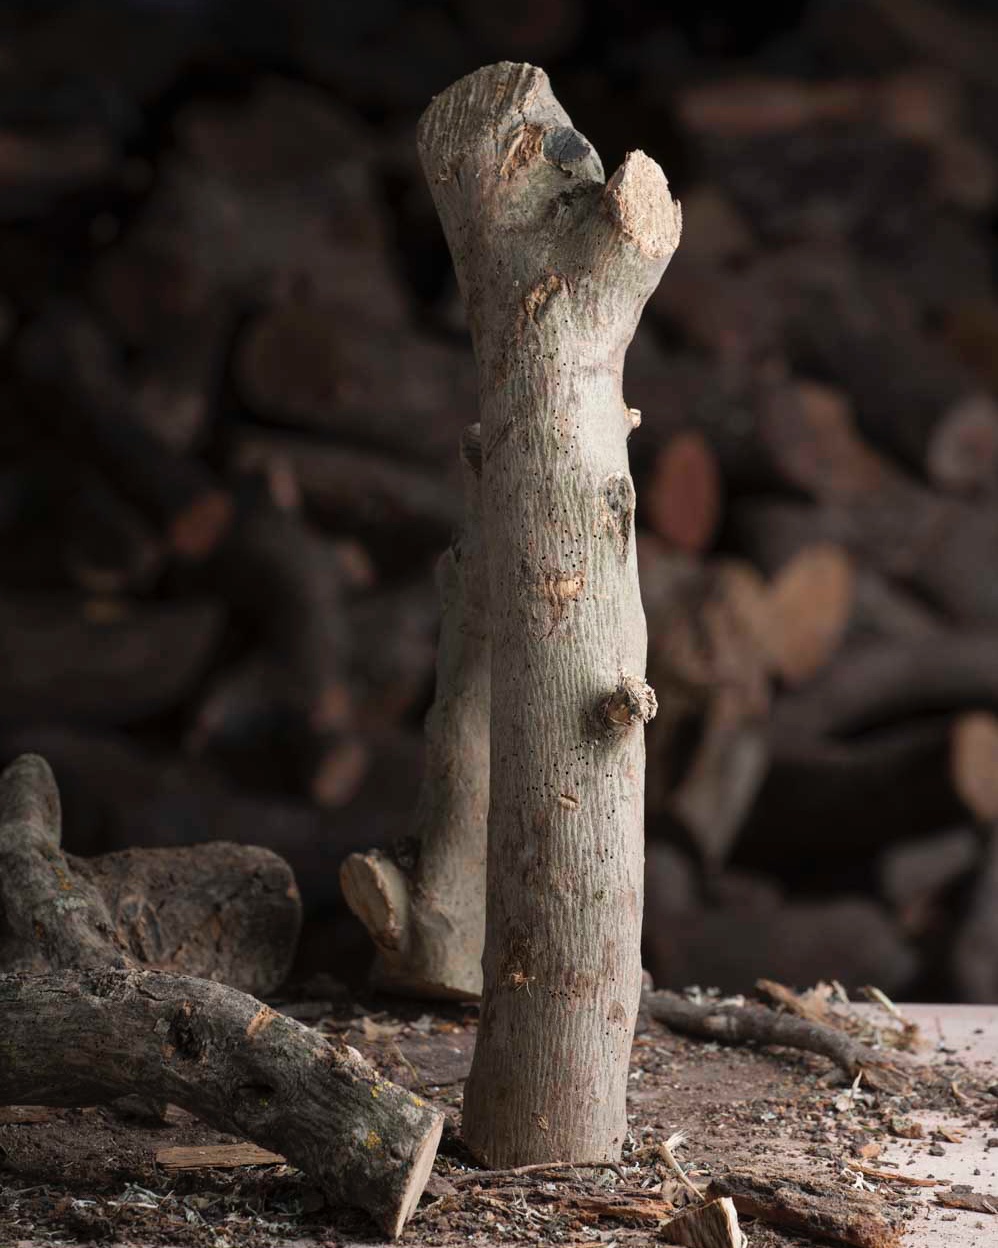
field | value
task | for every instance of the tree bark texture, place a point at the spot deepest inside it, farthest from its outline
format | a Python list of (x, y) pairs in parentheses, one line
[(87, 1037), (428, 924), (554, 268), (86, 1025), (226, 912)]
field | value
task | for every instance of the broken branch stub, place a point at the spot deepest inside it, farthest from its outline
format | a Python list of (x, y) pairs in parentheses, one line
[(554, 266), (428, 924)]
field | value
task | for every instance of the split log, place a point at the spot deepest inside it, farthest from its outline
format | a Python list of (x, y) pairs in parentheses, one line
[(809, 604), (106, 1029), (808, 1207), (87, 1037), (226, 912), (713, 1225), (757, 1024), (428, 923), (102, 661), (681, 501), (521, 193), (771, 533)]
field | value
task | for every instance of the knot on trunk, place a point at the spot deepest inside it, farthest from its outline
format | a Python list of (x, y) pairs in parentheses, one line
[(632, 702)]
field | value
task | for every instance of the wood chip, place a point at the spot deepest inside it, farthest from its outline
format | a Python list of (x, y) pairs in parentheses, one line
[(216, 1157), (713, 1225)]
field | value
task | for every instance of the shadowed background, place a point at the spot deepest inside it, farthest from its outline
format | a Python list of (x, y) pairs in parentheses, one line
[(234, 372)]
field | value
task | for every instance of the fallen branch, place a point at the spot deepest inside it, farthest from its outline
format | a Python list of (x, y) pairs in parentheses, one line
[(756, 1024), (87, 1037)]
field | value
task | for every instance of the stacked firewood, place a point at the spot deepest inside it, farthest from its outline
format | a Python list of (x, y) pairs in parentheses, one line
[(234, 383)]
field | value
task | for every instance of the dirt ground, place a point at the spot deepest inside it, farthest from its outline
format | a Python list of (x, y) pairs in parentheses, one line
[(91, 1176)]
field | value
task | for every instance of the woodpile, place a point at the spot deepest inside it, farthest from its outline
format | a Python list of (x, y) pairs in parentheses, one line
[(234, 383)]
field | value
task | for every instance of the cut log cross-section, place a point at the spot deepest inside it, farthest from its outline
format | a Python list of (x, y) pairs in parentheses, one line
[(428, 924), (555, 266), (83, 1023)]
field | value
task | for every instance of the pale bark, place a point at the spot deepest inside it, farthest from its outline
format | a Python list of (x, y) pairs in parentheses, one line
[(555, 267), (428, 924)]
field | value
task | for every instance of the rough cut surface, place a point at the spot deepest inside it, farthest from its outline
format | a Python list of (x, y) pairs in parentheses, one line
[(554, 267), (88, 1037), (428, 923)]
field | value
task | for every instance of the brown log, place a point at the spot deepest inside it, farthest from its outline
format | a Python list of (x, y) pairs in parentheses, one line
[(772, 533), (836, 803), (227, 912), (939, 545), (711, 668), (87, 1037), (230, 913), (809, 1207), (102, 661), (879, 683), (744, 928), (681, 499), (309, 368), (117, 795), (752, 1023), (809, 605), (215, 1051), (428, 924), (354, 490)]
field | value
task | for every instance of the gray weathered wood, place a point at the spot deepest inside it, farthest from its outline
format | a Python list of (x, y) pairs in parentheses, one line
[(428, 923), (90, 1036), (554, 266)]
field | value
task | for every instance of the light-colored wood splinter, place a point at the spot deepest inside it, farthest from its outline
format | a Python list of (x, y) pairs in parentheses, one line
[(713, 1225), (555, 265), (215, 1157)]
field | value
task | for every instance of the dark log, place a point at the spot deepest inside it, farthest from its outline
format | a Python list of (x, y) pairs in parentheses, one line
[(743, 928), (87, 1037), (880, 683), (939, 545), (758, 1024), (106, 662), (355, 491), (108, 548), (304, 366), (230, 913), (226, 912), (806, 1206), (836, 804)]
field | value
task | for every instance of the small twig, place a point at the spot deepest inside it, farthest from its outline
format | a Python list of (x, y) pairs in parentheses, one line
[(476, 1176), (665, 1149)]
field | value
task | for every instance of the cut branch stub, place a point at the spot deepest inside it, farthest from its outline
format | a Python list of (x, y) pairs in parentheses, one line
[(429, 923), (555, 267)]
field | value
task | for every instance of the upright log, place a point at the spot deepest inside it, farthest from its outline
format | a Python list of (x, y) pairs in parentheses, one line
[(428, 924), (554, 267)]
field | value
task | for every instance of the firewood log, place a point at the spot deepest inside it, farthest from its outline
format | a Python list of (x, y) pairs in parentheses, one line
[(102, 661), (428, 923), (217, 1052)]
